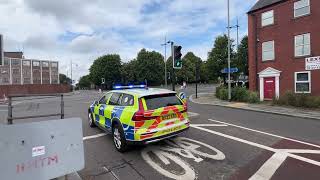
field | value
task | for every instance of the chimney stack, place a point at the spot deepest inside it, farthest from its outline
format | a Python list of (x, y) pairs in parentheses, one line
[(1, 50)]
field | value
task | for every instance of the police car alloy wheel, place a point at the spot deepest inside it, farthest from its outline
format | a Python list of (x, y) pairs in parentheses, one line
[(119, 139), (90, 118)]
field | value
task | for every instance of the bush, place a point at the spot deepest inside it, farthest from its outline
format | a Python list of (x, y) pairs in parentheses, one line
[(253, 97), (222, 93), (239, 94), (298, 100)]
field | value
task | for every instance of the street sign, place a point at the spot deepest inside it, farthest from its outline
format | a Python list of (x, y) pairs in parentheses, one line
[(232, 70), (103, 81), (41, 150), (312, 63)]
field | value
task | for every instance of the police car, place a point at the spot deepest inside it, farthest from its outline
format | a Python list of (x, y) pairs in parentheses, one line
[(139, 115)]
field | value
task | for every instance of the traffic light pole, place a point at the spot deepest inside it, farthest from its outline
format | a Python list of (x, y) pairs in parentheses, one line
[(173, 77)]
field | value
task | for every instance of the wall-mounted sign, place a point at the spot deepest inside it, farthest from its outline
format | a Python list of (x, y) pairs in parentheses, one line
[(313, 63)]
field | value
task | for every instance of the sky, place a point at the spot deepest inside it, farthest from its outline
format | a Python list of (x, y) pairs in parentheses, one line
[(81, 31)]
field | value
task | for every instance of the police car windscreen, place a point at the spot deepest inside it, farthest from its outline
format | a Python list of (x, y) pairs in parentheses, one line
[(159, 101)]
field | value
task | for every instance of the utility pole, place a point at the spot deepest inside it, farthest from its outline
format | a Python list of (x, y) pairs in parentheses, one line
[(165, 61), (173, 77), (229, 63), (71, 73), (237, 33)]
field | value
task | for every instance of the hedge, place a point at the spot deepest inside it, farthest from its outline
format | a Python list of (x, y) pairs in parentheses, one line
[(239, 94)]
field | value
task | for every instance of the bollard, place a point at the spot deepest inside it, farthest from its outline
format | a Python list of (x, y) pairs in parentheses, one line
[(9, 110)]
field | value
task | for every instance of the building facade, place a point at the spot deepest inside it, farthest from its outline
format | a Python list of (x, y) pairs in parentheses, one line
[(16, 71), (284, 47)]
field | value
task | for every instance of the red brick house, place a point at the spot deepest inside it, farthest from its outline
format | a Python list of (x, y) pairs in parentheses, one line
[(284, 47)]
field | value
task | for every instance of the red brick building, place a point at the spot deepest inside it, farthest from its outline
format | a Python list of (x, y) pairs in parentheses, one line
[(284, 47)]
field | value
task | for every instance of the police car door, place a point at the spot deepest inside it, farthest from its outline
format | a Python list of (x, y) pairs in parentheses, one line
[(114, 108), (101, 110)]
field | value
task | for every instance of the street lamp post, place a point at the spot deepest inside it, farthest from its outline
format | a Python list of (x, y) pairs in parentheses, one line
[(229, 66), (165, 61)]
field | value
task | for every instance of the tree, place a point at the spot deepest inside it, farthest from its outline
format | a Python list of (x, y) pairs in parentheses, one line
[(218, 57), (84, 82), (128, 72), (188, 71), (242, 56), (149, 66), (64, 79), (107, 67)]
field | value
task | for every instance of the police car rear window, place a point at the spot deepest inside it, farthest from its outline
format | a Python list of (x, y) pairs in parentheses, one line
[(159, 101)]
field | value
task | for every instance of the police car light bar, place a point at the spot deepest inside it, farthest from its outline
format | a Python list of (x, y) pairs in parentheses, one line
[(118, 87)]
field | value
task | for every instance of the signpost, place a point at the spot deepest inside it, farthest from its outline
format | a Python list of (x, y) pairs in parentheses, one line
[(232, 70), (312, 63)]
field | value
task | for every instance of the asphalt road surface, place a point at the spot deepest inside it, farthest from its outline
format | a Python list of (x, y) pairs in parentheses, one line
[(222, 143)]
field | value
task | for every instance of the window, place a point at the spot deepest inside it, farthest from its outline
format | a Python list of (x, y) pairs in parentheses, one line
[(15, 62), (268, 51), (54, 65), (159, 101), (127, 100), (16, 71), (302, 45), (303, 82), (26, 63), (301, 8), (6, 61), (45, 64), (36, 63), (114, 99), (267, 18), (105, 99)]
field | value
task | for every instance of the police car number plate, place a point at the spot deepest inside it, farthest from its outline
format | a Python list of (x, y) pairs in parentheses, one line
[(169, 116)]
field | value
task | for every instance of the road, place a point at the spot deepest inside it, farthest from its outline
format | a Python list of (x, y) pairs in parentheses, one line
[(222, 143)]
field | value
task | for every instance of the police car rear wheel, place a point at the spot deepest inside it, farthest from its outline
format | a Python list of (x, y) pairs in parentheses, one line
[(90, 118), (119, 139)]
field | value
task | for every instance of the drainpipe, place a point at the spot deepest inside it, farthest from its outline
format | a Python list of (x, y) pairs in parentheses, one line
[(256, 50)]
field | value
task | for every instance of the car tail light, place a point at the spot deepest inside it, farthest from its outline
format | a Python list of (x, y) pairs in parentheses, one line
[(139, 115)]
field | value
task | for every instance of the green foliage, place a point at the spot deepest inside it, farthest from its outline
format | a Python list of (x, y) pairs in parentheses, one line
[(241, 60), (218, 57), (64, 79), (222, 93), (149, 66), (84, 82), (239, 94), (298, 100), (253, 97), (108, 67), (188, 71)]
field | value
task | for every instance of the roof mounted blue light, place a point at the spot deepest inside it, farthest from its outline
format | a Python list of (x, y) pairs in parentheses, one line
[(119, 87)]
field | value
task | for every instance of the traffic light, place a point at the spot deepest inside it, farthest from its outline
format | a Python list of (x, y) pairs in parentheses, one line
[(177, 60)]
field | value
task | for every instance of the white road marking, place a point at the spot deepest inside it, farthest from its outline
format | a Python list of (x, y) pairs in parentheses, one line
[(192, 114), (259, 145), (94, 136), (269, 167), (261, 132), (210, 125)]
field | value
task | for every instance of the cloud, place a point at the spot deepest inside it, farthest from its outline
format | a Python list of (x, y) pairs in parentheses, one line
[(81, 30)]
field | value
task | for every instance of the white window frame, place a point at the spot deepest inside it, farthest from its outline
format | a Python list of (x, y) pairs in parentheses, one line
[(295, 8), (264, 19), (303, 45), (295, 81), (263, 51)]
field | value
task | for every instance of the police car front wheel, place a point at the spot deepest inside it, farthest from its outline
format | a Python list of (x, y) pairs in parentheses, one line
[(90, 118), (118, 138)]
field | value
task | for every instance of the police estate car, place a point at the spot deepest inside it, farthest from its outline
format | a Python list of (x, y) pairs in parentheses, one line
[(139, 115)]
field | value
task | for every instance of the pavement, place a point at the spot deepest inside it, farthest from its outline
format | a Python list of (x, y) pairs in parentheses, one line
[(222, 143), (210, 99)]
